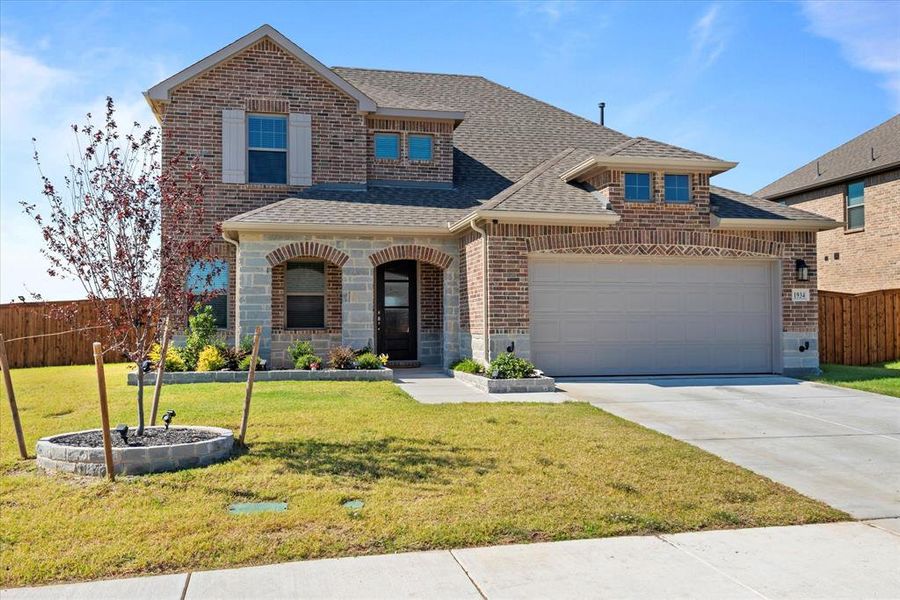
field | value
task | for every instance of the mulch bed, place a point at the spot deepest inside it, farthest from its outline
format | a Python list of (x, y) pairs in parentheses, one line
[(151, 437)]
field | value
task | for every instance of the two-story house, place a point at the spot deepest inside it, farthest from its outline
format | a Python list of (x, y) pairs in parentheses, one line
[(444, 216), (857, 183)]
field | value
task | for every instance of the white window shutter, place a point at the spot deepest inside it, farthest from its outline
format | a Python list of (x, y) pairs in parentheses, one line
[(234, 146), (300, 149)]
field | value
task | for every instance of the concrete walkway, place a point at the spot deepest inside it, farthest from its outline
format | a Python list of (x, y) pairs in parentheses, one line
[(837, 560), (432, 385), (838, 445)]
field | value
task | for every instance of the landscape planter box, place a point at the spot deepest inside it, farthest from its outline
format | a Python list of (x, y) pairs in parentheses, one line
[(54, 455), (506, 386), (277, 375)]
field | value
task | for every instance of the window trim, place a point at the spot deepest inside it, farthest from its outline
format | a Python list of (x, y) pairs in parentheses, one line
[(324, 295), (285, 150), (690, 198), (396, 134), (649, 199), (430, 138), (861, 206)]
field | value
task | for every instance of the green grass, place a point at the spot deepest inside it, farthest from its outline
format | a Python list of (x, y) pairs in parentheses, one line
[(431, 476), (883, 378)]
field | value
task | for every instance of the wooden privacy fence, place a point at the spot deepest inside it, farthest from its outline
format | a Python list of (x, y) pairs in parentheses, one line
[(859, 329), (48, 339)]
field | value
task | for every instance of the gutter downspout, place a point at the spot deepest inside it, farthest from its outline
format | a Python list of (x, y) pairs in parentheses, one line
[(237, 267), (484, 294)]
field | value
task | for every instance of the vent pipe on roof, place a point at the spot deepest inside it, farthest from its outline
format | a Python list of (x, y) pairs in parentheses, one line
[(602, 106)]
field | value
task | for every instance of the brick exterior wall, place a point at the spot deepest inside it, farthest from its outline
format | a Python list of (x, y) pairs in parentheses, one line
[(471, 287), (858, 261), (657, 212), (439, 168), (431, 305)]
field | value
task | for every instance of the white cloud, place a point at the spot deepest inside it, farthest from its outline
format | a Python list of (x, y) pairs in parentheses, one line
[(25, 82), (868, 34), (709, 36), (550, 11)]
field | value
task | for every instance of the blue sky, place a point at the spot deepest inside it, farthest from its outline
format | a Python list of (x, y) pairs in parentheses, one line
[(770, 85)]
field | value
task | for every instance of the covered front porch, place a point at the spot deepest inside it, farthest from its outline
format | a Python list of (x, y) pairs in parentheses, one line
[(397, 295)]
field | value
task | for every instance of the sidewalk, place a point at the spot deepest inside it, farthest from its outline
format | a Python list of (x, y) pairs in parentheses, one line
[(432, 385), (836, 560)]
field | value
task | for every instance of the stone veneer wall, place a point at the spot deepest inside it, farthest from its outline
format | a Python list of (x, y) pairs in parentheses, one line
[(858, 261), (357, 287)]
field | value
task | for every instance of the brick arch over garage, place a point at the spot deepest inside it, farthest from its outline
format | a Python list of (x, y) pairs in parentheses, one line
[(411, 252), (307, 249), (656, 243)]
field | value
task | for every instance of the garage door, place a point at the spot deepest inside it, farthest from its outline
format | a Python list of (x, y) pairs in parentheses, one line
[(593, 316)]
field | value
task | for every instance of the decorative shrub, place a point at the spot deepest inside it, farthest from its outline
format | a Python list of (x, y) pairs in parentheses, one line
[(244, 363), (201, 333), (368, 361), (174, 361), (308, 362), (210, 359), (367, 349), (510, 366), (246, 344), (232, 356), (300, 348), (468, 365), (341, 357)]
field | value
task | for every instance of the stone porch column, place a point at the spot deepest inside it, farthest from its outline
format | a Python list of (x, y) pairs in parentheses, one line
[(254, 289), (358, 306)]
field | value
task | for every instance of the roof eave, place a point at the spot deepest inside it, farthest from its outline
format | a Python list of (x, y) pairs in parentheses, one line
[(773, 224), (714, 166), (282, 227), (534, 217), (414, 113), (161, 91)]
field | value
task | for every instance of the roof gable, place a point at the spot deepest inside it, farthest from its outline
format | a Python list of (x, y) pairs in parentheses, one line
[(161, 91)]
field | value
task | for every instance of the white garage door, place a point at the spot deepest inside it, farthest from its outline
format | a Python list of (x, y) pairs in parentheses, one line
[(592, 316)]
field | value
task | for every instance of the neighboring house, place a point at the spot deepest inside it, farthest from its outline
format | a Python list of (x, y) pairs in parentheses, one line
[(857, 183), (445, 216)]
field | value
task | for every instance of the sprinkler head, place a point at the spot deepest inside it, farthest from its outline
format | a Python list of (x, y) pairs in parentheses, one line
[(167, 417)]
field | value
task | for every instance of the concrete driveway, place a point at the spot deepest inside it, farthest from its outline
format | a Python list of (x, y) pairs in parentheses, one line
[(838, 445)]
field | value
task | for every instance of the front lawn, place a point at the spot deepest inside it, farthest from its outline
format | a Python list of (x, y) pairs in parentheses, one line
[(883, 378), (435, 476)]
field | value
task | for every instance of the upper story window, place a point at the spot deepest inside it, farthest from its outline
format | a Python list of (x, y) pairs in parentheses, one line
[(387, 146), (856, 207), (420, 147), (267, 158), (637, 187), (211, 277), (304, 286), (678, 188)]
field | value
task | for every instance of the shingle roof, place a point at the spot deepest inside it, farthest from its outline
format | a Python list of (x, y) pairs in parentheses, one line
[(645, 147), (542, 190), (876, 149), (729, 204)]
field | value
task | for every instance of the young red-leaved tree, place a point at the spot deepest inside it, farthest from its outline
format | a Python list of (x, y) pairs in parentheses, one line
[(105, 229)]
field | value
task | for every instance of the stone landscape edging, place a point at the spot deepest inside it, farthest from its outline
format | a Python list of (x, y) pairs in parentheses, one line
[(176, 377), (506, 386), (134, 460)]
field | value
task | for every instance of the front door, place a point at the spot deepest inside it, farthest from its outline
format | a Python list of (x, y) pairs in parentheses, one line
[(396, 309)]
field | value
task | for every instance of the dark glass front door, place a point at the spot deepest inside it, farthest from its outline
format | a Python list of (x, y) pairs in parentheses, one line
[(396, 309)]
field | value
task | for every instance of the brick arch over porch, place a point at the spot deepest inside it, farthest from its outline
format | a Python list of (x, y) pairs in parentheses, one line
[(307, 249), (411, 252), (656, 243)]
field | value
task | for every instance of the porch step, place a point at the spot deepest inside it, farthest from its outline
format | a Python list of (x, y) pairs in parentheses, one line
[(404, 364)]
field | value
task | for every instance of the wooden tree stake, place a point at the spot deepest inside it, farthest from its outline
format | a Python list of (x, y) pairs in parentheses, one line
[(104, 410), (250, 376), (164, 348), (11, 394)]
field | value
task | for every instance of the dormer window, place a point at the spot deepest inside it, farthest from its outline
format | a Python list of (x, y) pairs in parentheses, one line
[(637, 187), (678, 188), (387, 146), (420, 147), (267, 149)]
